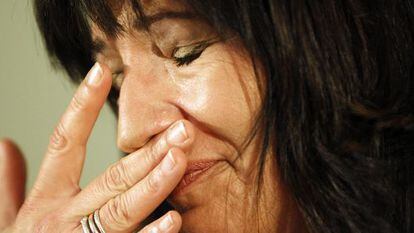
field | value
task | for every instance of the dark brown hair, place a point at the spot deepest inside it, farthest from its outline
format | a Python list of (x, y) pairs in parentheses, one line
[(339, 96)]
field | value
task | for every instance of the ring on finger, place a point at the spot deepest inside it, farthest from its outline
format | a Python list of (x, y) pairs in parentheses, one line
[(92, 223), (98, 221), (85, 225)]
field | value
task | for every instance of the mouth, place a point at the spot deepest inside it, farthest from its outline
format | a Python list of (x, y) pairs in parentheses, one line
[(195, 170)]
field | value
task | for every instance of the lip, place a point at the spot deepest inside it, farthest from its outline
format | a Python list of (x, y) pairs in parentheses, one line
[(194, 171)]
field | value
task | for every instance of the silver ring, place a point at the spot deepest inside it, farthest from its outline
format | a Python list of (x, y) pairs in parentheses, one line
[(98, 221), (92, 223), (85, 226)]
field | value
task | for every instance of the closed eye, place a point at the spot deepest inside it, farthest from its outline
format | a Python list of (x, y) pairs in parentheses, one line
[(185, 55)]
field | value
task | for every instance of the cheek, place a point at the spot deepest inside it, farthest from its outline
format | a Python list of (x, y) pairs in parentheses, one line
[(218, 94)]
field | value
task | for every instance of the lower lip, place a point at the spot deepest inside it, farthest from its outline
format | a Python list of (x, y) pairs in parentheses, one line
[(196, 171)]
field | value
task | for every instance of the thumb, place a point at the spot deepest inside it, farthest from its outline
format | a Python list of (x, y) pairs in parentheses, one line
[(12, 181)]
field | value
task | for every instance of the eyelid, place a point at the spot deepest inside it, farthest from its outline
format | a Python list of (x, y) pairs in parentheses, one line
[(183, 51)]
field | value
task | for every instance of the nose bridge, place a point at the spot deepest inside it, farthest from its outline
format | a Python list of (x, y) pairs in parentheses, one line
[(145, 107)]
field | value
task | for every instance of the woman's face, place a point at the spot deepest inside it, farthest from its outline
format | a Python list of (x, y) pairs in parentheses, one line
[(180, 69)]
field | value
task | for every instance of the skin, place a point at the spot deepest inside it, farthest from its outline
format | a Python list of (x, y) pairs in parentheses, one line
[(215, 97)]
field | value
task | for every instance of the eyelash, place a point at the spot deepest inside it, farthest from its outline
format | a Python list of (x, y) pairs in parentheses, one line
[(187, 60), (191, 56)]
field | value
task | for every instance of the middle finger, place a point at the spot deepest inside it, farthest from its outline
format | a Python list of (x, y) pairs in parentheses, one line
[(125, 173)]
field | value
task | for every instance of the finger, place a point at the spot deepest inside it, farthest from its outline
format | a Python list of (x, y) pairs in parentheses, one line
[(121, 176), (13, 179), (169, 223), (124, 212), (62, 165)]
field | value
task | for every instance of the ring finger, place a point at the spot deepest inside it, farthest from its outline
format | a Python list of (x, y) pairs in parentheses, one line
[(124, 212)]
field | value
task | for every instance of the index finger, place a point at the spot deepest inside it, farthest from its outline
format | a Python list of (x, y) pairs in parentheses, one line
[(62, 165)]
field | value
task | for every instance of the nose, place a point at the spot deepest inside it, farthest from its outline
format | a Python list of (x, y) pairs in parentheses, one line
[(146, 108)]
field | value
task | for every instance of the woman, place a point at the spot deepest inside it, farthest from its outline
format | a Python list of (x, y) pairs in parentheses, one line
[(245, 116)]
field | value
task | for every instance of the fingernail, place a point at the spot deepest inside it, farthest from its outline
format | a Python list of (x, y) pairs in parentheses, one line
[(168, 163), (166, 223), (177, 134), (95, 75)]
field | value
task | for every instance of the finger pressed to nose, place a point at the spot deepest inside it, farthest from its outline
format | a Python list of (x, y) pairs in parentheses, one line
[(128, 171)]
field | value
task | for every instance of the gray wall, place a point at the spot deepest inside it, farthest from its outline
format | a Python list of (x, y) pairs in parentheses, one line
[(33, 96)]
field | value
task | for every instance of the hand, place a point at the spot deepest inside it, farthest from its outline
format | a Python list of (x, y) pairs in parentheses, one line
[(125, 194), (12, 182)]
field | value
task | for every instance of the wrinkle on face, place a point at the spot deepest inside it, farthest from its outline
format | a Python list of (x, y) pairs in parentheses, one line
[(218, 92)]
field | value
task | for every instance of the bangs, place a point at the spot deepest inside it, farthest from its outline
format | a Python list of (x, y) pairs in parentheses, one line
[(66, 26), (103, 13), (66, 29)]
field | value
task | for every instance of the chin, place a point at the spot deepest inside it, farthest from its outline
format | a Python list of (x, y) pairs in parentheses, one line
[(203, 220)]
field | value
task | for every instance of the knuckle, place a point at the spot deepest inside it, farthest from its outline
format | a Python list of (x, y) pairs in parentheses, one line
[(59, 139), (151, 156), (151, 185), (153, 152), (78, 103), (117, 178), (117, 213)]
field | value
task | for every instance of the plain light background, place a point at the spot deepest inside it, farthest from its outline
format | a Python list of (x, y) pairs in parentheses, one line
[(33, 96)]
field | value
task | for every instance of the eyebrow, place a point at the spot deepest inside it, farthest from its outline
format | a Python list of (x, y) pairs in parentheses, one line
[(144, 23)]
